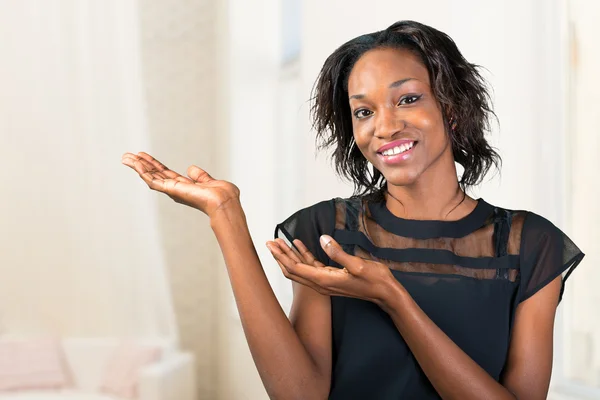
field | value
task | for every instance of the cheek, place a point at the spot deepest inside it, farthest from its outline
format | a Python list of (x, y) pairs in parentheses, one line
[(363, 147), (427, 120), (430, 123), (362, 137)]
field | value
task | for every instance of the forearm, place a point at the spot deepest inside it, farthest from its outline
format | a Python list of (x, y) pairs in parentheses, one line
[(452, 372), (285, 367)]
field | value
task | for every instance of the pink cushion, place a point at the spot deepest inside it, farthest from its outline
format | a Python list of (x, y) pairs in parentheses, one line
[(121, 374), (32, 364)]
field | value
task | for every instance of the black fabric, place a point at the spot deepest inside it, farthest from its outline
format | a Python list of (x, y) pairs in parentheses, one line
[(308, 225), (546, 252), (424, 255), (468, 276)]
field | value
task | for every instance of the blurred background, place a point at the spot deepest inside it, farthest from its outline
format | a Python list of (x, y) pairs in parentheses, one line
[(88, 251)]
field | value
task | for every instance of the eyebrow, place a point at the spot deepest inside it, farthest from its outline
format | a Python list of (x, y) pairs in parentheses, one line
[(391, 86)]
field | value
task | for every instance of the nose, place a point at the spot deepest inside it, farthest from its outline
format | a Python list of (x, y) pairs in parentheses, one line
[(388, 123)]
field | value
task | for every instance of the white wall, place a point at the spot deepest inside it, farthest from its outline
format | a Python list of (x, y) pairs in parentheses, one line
[(582, 320), (249, 71), (178, 46), (86, 249), (79, 245)]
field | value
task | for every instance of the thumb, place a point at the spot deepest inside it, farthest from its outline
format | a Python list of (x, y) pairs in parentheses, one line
[(336, 253), (198, 174)]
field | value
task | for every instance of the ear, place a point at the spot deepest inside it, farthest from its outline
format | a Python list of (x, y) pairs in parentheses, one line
[(449, 118), (452, 123)]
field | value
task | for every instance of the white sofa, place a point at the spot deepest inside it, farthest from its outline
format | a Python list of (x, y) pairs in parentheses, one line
[(170, 378)]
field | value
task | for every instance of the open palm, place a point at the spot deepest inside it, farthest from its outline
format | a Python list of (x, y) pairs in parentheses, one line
[(198, 189)]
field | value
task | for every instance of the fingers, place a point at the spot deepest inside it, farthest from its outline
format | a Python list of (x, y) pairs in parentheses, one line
[(290, 251), (282, 252), (300, 253), (291, 262), (323, 280), (307, 255), (299, 279), (155, 182), (353, 264), (161, 171), (159, 167), (154, 179), (198, 174), (130, 160), (152, 171)]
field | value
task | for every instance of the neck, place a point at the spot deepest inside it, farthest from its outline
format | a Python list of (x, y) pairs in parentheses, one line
[(436, 195)]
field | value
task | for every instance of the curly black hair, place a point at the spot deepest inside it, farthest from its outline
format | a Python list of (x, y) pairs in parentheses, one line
[(456, 84)]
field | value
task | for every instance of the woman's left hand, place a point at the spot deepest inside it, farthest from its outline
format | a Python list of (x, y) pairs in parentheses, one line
[(360, 278)]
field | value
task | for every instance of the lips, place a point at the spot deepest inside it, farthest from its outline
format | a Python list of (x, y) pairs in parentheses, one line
[(397, 152), (395, 143)]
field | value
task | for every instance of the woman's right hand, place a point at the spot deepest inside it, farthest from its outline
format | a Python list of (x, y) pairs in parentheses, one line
[(198, 189)]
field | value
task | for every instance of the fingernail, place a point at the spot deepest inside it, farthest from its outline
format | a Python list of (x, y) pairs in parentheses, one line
[(325, 239)]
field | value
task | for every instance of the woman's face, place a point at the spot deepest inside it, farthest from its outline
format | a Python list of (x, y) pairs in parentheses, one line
[(397, 122)]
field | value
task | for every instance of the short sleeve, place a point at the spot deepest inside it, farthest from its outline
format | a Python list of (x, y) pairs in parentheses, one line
[(308, 225), (546, 252)]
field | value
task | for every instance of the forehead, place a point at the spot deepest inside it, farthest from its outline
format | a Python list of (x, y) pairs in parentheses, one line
[(381, 67)]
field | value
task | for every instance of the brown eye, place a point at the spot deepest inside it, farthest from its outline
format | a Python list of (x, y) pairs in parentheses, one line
[(409, 99), (362, 113)]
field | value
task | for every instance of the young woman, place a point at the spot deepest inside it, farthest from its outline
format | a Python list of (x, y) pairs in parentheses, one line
[(410, 289)]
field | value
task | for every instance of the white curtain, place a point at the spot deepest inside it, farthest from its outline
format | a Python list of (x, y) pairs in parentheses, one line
[(79, 247), (582, 349)]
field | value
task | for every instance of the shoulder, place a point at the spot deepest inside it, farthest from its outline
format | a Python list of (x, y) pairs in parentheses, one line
[(328, 208), (316, 218), (545, 251), (324, 216), (543, 241), (308, 224), (525, 225), (532, 229), (316, 211), (539, 227)]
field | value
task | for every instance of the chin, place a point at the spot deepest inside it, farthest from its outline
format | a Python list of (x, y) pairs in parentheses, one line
[(402, 177)]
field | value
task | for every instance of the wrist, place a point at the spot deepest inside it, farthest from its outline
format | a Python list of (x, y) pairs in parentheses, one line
[(394, 296), (228, 215)]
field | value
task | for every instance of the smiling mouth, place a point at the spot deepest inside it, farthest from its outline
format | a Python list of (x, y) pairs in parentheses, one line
[(400, 149)]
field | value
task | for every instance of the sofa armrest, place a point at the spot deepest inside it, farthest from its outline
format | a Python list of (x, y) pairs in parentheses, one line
[(169, 379)]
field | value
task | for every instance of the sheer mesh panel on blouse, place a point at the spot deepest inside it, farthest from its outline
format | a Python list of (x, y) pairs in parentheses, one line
[(548, 253), (444, 269), (477, 244), (481, 244), (489, 243)]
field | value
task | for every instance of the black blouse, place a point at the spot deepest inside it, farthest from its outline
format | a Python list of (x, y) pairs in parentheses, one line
[(468, 276)]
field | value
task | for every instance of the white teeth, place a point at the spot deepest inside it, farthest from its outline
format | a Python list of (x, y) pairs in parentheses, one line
[(399, 149)]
